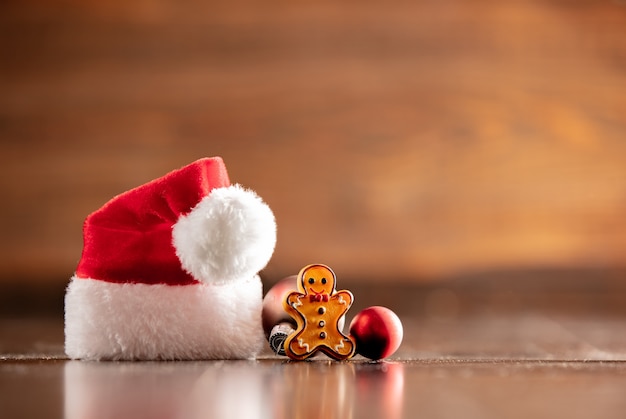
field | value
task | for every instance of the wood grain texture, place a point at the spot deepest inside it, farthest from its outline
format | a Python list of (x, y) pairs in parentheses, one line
[(415, 140)]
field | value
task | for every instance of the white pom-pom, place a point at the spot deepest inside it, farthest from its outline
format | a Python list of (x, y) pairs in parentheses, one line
[(229, 235)]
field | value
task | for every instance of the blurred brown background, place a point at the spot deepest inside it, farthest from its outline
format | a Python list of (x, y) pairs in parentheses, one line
[(405, 141)]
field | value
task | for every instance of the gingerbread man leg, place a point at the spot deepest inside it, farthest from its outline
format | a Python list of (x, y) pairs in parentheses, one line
[(345, 348), (299, 347)]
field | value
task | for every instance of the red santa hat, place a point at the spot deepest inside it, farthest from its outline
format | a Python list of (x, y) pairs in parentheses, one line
[(169, 271)]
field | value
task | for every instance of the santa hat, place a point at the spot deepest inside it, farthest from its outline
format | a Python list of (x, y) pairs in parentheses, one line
[(169, 270)]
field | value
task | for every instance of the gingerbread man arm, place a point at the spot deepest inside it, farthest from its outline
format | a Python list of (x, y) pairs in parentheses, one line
[(293, 298), (291, 306), (344, 297)]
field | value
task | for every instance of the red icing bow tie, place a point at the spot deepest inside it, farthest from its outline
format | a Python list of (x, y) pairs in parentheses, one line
[(318, 297)]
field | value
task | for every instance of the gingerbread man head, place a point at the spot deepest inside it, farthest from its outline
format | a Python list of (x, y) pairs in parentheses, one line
[(317, 281)]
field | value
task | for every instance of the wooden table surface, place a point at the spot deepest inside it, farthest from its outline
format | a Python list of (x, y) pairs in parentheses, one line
[(525, 349)]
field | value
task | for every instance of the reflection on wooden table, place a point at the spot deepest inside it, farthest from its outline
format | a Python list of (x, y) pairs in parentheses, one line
[(321, 389), (272, 388), (235, 389)]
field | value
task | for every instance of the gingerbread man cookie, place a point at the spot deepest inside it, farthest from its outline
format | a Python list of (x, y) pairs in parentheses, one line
[(317, 309)]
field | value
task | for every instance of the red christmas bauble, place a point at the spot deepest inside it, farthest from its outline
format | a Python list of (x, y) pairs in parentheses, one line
[(377, 332), (273, 311)]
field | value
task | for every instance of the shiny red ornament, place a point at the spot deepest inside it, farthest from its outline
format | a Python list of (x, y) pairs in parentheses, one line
[(377, 331), (273, 311)]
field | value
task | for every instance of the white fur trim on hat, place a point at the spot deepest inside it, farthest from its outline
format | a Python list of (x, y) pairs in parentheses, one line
[(230, 234), (125, 321)]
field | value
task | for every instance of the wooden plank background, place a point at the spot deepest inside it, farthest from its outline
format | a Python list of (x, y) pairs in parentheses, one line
[(409, 140)]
